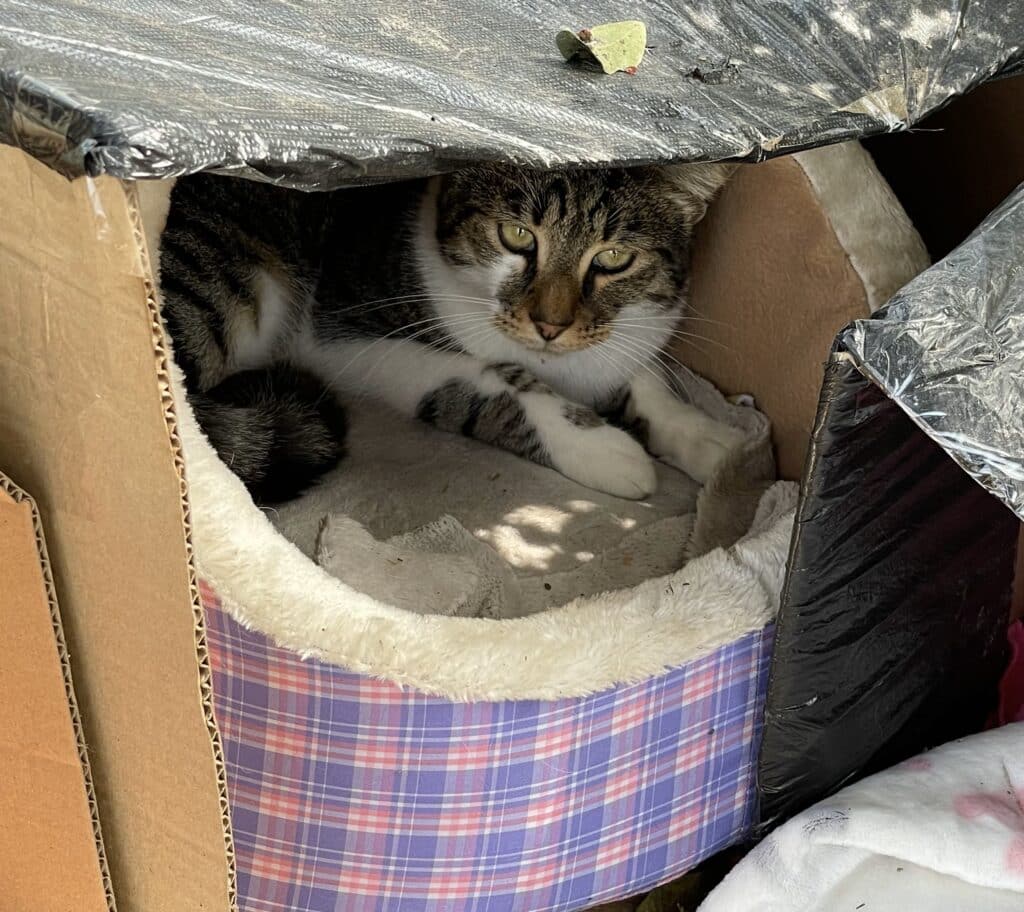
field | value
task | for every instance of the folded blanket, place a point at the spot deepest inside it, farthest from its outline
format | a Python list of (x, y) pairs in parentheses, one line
[(943, 832), (439, 568)]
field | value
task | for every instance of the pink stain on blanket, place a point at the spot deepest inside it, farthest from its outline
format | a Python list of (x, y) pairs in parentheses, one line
[(1015, 857), (1005, 807)]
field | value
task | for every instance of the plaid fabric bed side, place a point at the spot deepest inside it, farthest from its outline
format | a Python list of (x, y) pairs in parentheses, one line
[(350, 794)]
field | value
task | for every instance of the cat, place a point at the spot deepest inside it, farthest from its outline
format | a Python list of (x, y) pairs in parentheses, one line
[(523, 308)]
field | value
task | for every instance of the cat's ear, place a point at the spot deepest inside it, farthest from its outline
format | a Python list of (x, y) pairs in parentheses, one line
[(694, 186)]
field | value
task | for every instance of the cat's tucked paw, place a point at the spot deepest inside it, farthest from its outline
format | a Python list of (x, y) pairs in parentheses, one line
[(602, 457), (678, 433), (697, 447)]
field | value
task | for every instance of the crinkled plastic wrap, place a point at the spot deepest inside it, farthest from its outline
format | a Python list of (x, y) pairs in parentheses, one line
[(949, 349), (891, 635), (322, 94)]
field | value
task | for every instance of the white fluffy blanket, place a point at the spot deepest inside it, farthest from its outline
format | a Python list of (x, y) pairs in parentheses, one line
[(943, 832)]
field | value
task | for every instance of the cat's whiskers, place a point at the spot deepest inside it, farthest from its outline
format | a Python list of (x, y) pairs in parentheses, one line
[(429, 324), (662, 358), (605, 356), (679, 318), (532, 192), (614, 212), (451, 344), (643, 350), (693, 316), (641, 357), (690, 338), (415, 296), (694, 338), (465, 342)]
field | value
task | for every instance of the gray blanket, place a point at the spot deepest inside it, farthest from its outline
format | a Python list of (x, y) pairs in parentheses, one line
[(439, 524)]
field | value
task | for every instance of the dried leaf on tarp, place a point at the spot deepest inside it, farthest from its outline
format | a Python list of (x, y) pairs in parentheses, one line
[(303, 93), (614, 46)]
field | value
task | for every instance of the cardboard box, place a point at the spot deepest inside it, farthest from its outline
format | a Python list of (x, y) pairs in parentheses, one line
[(87, 425), (87, 422), (50, 838)]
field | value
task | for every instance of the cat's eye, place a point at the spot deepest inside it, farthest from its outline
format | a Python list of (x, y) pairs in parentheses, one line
[(516, 238), (613, 259)]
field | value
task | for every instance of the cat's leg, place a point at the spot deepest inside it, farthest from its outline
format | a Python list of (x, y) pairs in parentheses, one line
[(672, 430), (499, 404)]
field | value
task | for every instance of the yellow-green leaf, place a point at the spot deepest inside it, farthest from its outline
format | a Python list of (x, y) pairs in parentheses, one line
[(615, 46)]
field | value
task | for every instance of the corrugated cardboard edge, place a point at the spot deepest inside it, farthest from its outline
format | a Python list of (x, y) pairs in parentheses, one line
[(19, 496), (160, 351)]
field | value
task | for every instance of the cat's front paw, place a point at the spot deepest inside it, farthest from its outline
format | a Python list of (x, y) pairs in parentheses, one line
[(697, 448), (604, 458), (678, 433)]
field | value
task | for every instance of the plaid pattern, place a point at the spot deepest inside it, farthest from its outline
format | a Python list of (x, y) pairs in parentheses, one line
[(350, 794)]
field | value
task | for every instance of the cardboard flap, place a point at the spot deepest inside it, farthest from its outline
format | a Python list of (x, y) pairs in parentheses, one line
[(87, 425), (47, 809), (766, 328)]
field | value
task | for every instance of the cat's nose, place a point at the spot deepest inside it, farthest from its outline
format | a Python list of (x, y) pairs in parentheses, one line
[(549, 331)]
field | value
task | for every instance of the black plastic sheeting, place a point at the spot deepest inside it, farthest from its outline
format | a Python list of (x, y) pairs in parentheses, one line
[(891, 636), (328, 92), (892, 632)]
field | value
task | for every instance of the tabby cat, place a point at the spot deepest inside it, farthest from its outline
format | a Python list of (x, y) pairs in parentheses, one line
[(526, 309)]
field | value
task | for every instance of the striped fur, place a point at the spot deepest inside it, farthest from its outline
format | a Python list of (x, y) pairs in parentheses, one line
[(280, 302)]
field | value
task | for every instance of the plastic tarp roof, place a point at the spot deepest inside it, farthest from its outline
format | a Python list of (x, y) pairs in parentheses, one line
[(319, 94)]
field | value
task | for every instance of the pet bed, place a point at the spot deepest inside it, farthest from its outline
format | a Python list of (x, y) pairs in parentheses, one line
[(583, 723)]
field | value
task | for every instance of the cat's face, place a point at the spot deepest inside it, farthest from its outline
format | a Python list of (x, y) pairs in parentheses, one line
[(567, 259)]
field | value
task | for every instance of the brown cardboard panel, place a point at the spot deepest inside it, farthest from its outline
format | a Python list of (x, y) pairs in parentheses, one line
[(83, 426), (767, 317), (45, 816)]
